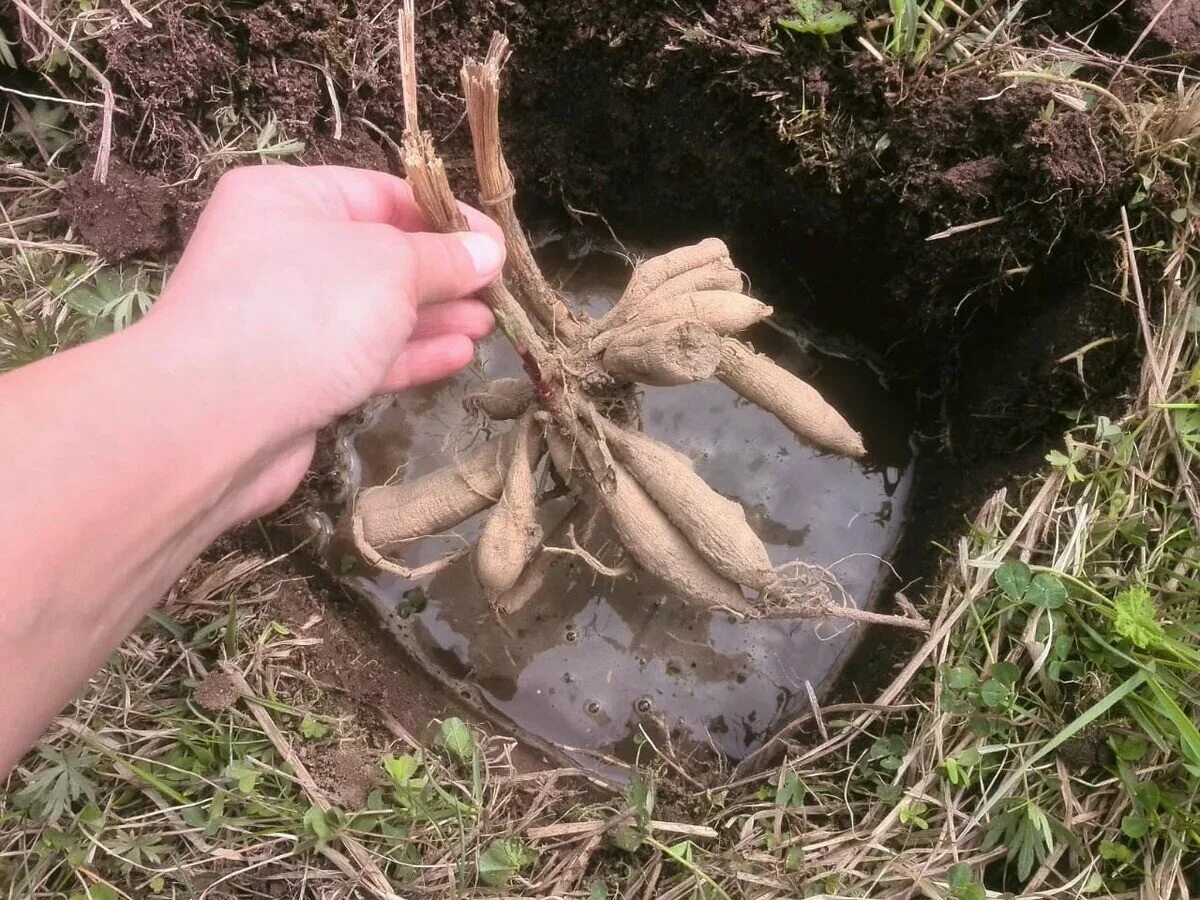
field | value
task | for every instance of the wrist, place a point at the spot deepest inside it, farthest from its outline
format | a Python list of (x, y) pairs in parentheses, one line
[(222, 422)]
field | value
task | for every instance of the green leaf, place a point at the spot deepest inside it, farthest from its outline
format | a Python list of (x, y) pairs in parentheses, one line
[(684, 851), (312, 729), (960, 876), (1058, 459), (244, 774), (1013, 578), (639, 794), (790, 792), (401, 769), (1046, 591), (1114, 852), (457, 739), (317, 822), (1006, 672), (627, 838), (52, 790), (158, 884), (993, 693), (102, 892), (969, 757), (1189, 737), (1134, 826), (1136, 618), (1149, 795), (812, 17), (504, 858), (913, 813), (90, 816), (959, 678), (1131, 749), (598, 891)]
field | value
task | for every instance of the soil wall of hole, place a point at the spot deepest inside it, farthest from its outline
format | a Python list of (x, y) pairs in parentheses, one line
[(823, 169)]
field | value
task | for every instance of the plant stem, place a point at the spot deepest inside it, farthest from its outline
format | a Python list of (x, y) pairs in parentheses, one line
[(481, 87)]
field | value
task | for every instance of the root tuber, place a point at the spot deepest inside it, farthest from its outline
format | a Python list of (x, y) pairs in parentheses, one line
[(715, 525), (671, 326), (438, 501), (511, 533), (700, 267), (502, 399), (796, 404), (725, 312), (665, 354), (662, 550)]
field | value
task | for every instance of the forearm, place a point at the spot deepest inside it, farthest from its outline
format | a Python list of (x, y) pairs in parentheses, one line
[(294, 302), (118, 465)]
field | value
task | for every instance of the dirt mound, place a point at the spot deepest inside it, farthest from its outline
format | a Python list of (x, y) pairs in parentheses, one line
[(129, 215), (218, 691), (1176, 23), (1170, 25)]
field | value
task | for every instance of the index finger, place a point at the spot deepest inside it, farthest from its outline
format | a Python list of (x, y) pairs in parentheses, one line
[(370, 196)]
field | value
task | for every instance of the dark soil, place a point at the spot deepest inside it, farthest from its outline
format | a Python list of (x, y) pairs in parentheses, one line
[(129, 215), (1171, 26), (819, 166), (346, 773), (1177, 26), (388, 695), (217, 691)]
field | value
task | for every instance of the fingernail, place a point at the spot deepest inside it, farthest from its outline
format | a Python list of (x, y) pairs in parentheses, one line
[(486, 255)]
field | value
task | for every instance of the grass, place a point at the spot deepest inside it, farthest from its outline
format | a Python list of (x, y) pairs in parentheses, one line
[(1041, 742)]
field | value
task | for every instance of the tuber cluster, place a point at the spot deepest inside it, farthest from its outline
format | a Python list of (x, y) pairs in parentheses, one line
[(575, 419)]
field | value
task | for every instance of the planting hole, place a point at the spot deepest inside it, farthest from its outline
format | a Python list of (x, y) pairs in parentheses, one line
[(590, 659)]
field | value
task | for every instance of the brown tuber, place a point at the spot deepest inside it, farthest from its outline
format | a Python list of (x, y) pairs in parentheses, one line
[(665, 354), (705, 266), (794, 403), (511, 533), (438, 501), (662, 549), (671, 326), (502, 399), (715, 525)]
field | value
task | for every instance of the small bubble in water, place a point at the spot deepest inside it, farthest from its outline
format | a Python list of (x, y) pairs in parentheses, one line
[(643, 704), (571, 636), (593, 707)]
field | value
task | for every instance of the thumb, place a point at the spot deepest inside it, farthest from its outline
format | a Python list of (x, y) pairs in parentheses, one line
[(450, 266)]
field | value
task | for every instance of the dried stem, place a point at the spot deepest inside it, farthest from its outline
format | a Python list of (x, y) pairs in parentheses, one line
[(433, 194), (408, 65), (104, 149), (481, 87)]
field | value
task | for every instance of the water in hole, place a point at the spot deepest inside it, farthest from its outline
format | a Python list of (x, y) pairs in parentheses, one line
[(592, 660)]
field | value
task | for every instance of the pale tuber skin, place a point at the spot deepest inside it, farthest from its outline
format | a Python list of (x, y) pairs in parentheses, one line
[(302, 293), (666, 330)]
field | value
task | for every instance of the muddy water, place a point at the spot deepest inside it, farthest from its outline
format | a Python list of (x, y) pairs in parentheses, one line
[(591, 661)]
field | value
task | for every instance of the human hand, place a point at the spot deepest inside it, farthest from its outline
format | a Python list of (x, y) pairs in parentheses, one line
[(311, 289)]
